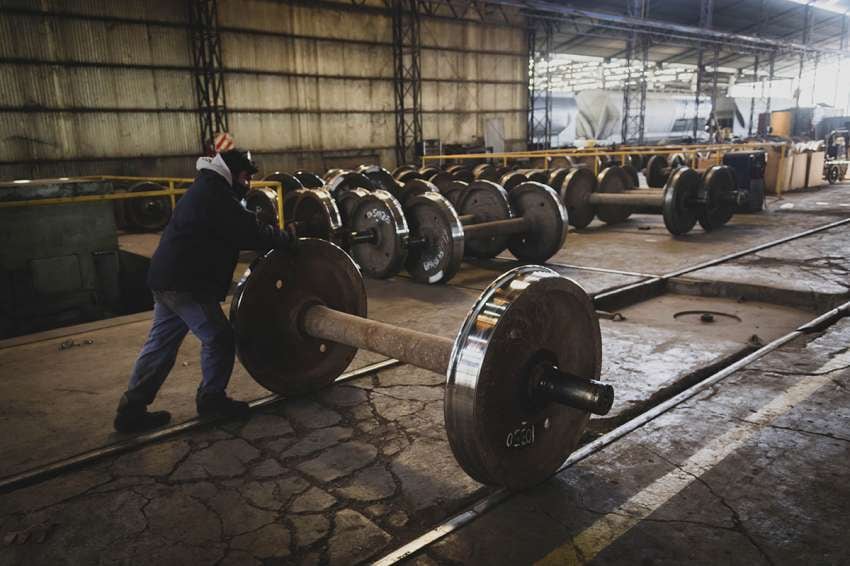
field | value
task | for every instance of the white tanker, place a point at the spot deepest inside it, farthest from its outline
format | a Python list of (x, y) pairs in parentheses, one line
[(597, 115)]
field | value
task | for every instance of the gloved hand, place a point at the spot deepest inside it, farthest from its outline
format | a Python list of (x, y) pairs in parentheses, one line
[(266, 216), (274, 238), (285, 239), (292, 236), (241, 189)]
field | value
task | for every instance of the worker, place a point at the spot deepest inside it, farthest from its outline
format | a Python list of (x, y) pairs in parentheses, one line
[(190, 274)]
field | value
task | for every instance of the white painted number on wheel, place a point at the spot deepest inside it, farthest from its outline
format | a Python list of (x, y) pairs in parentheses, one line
[(381, 216), (522, 436)]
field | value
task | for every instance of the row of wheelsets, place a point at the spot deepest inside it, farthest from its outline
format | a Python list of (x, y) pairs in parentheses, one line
[(711, 200), (392, 221), (416, 226)]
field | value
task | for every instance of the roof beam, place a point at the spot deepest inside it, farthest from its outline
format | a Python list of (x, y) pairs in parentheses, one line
[(665, 30), (823, 40), (757, 26)]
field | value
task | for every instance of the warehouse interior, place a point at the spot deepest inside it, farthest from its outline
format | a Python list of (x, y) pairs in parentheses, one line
[(424, 282)]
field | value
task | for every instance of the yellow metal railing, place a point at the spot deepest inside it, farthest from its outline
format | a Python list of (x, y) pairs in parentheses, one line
[(654, 148), (598, 151), (692, 152), (172, 191)]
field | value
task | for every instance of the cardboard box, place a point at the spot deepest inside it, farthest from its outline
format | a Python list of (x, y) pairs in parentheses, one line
[(816, 161), (799, 171), (777, 173), (781, 123)]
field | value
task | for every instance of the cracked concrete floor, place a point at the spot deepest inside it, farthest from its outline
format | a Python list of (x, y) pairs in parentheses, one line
[(336, 478), (357, 469), (751, 471), (330, 478), (643, 231), (816, 265)]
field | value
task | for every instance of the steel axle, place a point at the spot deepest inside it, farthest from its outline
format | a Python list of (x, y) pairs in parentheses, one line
[(505, 227), (363, 237), (433, 353)]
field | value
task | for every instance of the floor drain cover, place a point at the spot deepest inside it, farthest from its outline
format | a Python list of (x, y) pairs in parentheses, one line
[(706, 317)]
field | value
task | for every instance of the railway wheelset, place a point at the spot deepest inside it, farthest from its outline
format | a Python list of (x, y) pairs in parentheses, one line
[(522, 373), (457, 172), (422, 230), (142, 214), (709, 197)]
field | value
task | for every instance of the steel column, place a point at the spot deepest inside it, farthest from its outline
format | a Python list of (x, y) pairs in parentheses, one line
[(841, 59), (807, 24), (539, 95), (407, 50), (634, 107), (753, 99), (207, 70), (756, 81), (770, 72), (713, 113), (706, 15), (815, 77), (697, 92)]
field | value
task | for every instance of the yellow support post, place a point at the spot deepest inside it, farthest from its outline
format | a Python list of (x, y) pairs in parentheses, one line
[(280, 219), (171, 195)]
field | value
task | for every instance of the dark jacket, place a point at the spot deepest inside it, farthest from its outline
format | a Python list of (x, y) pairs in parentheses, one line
[(200, 246)]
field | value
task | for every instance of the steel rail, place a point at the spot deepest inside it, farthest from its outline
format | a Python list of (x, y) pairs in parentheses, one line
[(502, 259), (723, 259), (47, 471)]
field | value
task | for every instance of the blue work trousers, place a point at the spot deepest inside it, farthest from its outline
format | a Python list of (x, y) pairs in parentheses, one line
[(175, 313)]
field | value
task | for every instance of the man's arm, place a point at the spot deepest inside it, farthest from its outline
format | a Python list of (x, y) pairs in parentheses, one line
[(231, 221)]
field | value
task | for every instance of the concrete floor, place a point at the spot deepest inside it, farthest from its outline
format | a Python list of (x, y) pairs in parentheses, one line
[(752, 471), (355, 471)]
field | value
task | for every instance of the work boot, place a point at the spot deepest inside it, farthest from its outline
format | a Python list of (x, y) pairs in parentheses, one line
[(131, 418), (218, 404)]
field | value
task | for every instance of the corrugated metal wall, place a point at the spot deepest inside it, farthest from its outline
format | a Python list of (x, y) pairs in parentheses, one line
[(472, 73), (99, 86), (317, 102), (91, 88)]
